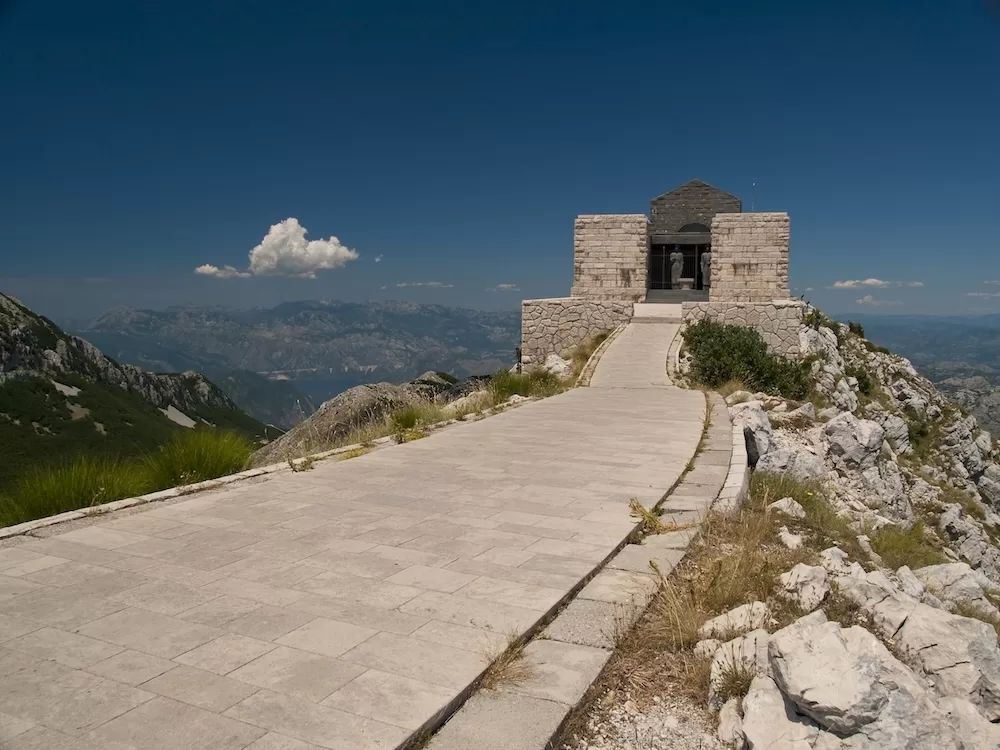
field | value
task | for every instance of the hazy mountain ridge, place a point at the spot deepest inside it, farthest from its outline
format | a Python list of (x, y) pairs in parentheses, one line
[(321, 348)]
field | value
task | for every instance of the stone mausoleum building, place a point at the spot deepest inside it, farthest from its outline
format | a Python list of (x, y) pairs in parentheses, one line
[(695, 254)]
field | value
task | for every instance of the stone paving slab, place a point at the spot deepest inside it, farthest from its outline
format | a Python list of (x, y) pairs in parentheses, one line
[(345, 606)]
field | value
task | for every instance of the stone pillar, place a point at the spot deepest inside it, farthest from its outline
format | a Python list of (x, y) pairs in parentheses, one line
[(610, 254), (749, 257)]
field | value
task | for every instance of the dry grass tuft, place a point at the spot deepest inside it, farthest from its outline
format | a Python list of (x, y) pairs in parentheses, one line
[(650, 519), (507, 664), (354, 453), (730, 387), (301, 464)]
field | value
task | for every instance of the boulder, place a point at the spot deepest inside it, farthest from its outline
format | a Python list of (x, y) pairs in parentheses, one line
[(854, 444), (830, 673), (799, 464), (968, 538), (957, 582), (731, 724), (843, 397), (790, 540), (739, 620), (751, 416), (806, 585), (789, 507), (897, 432), (770, 721), (914, 402), (354, 408), (558, 366)]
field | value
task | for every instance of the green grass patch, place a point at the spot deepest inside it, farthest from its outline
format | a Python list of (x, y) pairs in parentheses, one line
[(721, 353), (898, 547), (188, 457), (866, 382), (581, 353), (533, 382)]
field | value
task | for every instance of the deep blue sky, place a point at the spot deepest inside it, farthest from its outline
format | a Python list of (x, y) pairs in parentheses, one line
[(458, 140)]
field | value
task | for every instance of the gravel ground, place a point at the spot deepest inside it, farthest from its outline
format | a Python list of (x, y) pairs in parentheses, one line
[(617, 723)]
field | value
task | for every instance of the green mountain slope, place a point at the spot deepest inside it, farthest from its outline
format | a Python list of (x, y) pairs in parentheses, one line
[(61, 398)]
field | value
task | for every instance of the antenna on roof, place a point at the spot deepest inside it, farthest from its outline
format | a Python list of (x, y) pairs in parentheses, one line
[(753, 194)]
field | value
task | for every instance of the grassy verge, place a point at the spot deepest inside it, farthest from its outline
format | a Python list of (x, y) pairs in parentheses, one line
[(188, 457), (737, 559)]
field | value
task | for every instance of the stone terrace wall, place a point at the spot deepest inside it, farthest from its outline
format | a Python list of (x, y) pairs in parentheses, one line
[(749, 257), (777, 322), (549, 326), (610, 254)]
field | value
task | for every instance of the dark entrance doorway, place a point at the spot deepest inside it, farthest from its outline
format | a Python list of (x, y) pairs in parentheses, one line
[(659, 265)]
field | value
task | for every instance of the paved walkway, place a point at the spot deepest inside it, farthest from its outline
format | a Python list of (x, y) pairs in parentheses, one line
[(343, 607)]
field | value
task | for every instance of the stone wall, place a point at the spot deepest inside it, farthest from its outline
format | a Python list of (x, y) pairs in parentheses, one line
[(550, 326), (777, 322), (610, 254), (749, 257)]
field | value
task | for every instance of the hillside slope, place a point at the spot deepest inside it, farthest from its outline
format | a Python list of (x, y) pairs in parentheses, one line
[(61, 397)]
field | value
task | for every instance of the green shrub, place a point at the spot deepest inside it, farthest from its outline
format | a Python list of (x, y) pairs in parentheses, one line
[(856, 328), (406, 418), (79, 484), (866, 383), (505, 384), (721, 353), (197, 455)]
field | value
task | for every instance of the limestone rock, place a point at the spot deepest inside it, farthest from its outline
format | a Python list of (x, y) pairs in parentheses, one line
[(855, 444), (756, 428), (789, 507), (770, 721), (957, 582), (706, 648), (806, 585), (843, 397), (731, 724), (739, 620), (830, 673), (799, 464), (968, 538), (790, 540), (558, 366)]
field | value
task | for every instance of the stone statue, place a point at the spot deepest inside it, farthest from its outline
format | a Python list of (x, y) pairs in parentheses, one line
[(676, 266), (706, 269)]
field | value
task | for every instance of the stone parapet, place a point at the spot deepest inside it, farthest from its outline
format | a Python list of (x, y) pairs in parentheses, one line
[(749, 257), (777, 321), (550, 326), (610, 256)]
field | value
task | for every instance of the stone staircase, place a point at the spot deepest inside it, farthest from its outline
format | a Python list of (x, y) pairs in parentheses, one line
[(656, 312)]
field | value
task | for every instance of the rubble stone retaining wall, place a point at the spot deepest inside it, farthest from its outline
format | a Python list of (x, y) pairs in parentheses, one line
[(777, 321), (610, 253), (550, 326), (749, 257)]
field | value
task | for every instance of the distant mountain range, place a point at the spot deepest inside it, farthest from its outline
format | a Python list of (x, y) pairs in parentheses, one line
[(960, 354), (60, 396), (280, 363)]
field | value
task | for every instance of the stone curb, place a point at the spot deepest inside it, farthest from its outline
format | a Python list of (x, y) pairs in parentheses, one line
[(591, 366), (572, 650), (674, 355), (737, 485), (210, 484)]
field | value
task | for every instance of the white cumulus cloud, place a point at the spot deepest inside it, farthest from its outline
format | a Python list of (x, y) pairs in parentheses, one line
[(872, 302), (285, 251), (437, 284), (504, 288), (982, 294), (378, 258), (855, 283)]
